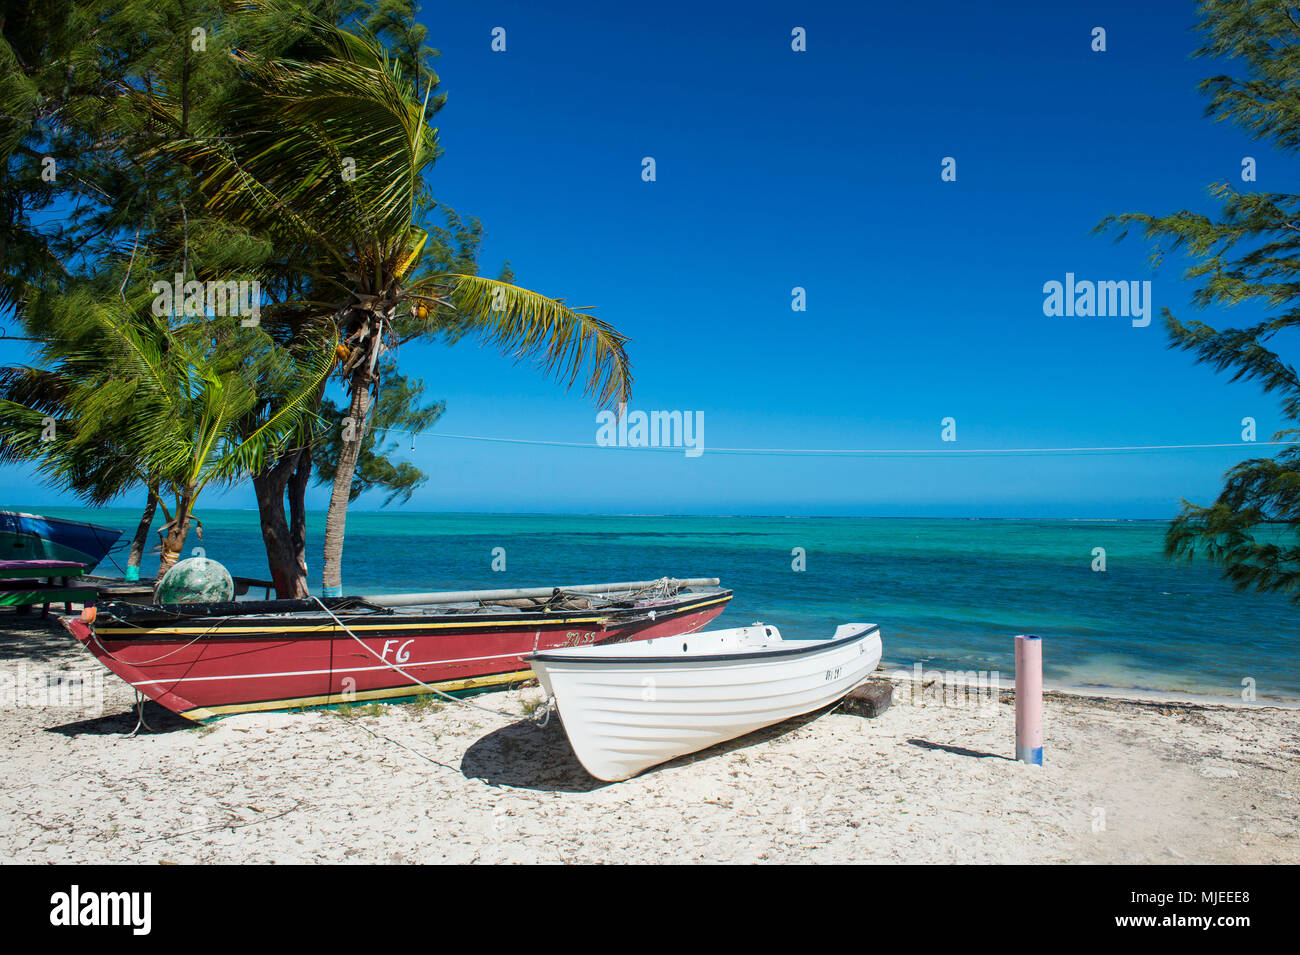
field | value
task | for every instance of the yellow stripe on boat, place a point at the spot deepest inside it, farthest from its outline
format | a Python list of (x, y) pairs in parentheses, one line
[(210, 712), (332, 628)]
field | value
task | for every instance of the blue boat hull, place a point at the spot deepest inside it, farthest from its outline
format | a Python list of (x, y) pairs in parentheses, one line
[(33, 537)]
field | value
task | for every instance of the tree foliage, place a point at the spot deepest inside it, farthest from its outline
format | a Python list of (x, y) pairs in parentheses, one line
[(1248, 253), (329, 154), (89, 222), (283, 141), (122, 395)]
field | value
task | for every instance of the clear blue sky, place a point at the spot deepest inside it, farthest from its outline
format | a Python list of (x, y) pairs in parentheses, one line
[(821, 169)]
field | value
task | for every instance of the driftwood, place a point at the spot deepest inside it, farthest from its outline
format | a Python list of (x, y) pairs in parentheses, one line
[(870, 699)]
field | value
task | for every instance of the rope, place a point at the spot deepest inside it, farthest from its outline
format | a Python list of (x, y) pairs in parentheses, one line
[(225, 825), (388, 739), (542, 715), (139, 663), (853, 452), (139, 714), (140, 697), (116, 545), (513, 717)]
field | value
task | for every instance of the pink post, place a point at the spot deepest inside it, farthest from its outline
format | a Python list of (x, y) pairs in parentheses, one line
[(1029, 699)]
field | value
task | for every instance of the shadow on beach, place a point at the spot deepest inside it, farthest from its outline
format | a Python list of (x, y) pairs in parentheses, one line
[(526, 756), (159, 720), (957, 750), (32, 637)]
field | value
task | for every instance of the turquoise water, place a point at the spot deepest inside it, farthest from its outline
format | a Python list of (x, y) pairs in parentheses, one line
[(949, 594)]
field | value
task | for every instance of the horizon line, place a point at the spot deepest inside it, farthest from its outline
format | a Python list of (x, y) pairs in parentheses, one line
[(644, 514)]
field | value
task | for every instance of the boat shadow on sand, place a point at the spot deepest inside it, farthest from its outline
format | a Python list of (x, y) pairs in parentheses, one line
[(159, 720), (525, 756)]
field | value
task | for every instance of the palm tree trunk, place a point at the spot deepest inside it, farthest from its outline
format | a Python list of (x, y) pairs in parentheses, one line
[(337, 516), (136, 555), (174, 539), (288, 569), (298, 513)]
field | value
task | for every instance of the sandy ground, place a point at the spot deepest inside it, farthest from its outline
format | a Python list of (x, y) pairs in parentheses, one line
[(925, 782)]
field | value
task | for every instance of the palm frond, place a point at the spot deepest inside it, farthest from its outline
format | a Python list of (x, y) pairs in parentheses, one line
[(531, 326)]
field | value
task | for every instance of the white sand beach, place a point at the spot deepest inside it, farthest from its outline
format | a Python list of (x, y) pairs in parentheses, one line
[(1124, 782)]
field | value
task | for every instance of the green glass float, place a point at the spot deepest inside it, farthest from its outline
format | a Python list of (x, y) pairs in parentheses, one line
[(196, 580)]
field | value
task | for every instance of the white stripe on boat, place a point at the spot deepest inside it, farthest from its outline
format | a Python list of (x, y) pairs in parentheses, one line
[(260, 676)]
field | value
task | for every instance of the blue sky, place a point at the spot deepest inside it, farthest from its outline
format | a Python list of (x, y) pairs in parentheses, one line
[(821, 169)]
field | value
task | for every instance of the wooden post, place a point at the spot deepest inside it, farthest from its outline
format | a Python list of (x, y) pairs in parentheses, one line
[(1029, 699), (869, 699)]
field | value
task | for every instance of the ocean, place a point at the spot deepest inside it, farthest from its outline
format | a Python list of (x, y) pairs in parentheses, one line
[(948, 594)]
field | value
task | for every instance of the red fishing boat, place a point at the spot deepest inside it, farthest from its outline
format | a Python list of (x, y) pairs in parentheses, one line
[(204, 661)]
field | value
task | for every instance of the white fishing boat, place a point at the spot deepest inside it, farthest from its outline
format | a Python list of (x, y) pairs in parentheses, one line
[(629, 706)]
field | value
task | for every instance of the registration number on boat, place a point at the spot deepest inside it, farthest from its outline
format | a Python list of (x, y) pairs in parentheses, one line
[(576, 638), (834, 674)]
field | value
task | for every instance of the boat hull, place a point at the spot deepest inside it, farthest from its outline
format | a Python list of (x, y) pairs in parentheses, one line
[(624, 715), (34, 537), (204, 668)]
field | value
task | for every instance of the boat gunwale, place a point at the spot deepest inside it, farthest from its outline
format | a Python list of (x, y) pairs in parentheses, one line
[(66, 520), (613, 662), (167, 628)]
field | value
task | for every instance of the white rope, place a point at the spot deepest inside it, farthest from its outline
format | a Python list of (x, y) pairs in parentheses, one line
[(850, 452), (139, 714), (140, 663), (513, 717)]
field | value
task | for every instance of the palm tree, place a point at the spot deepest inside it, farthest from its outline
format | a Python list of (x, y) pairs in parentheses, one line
[(77, 85), (174, 405), (327, 155)]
